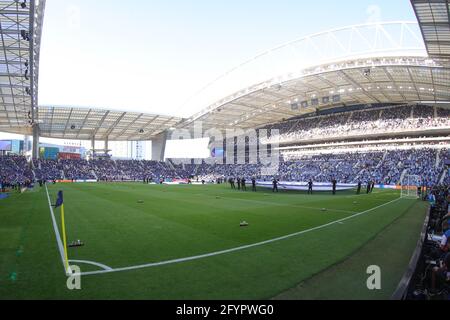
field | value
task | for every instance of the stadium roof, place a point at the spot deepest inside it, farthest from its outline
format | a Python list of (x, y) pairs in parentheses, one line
[(20, 32), (362, 64), (367, 64), (85, 123), (384, 80), (79, 123), (434, 20)]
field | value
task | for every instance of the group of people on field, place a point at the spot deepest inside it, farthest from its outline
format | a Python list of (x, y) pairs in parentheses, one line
[(241, 184)]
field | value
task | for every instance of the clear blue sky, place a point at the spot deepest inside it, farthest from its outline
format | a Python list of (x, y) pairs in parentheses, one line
[(148, 55)]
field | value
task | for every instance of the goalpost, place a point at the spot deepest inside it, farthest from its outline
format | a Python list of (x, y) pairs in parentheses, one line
[(410, 186)]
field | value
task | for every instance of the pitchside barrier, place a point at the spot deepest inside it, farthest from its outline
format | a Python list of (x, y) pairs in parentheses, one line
[(404, 286), (321, 187), (303, 186), (73, 181)]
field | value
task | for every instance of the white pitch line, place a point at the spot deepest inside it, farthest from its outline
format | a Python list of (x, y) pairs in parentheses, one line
[(55, 227), (105, 267), (208, 255)]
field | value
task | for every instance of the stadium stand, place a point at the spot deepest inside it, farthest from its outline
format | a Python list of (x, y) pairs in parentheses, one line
[(363, 123), (384, 167), (15, 170), (428, 277), (382, 161)]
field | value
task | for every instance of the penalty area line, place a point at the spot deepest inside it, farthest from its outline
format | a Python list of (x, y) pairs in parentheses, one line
[(222, 252)]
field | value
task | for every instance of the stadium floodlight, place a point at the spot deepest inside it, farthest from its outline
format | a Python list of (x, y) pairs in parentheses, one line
[(410, 186)]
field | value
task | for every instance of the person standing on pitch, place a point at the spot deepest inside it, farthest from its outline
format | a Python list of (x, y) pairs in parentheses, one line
[(310, 186), (275, 185), (334, 186), (244, 186), (369, 185), (239, 183), (372, 187), (253, 184), (359, 188)]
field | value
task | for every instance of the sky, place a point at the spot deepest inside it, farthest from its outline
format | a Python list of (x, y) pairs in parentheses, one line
[(152, 55)]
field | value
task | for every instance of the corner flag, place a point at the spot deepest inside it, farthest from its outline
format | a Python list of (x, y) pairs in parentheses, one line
[(60, 200), (60, 203)]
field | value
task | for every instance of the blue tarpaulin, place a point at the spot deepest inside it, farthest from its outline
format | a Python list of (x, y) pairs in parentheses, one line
[(4, 196)]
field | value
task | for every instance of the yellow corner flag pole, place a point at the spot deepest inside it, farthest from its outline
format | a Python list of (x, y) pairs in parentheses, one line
[(64, 238)]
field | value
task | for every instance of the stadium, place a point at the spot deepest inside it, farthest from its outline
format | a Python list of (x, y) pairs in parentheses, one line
[(327, 175)]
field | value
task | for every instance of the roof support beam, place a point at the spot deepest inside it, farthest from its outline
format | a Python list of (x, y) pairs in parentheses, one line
[(129, 126), (100, 125), (111, 128), (84, 122)]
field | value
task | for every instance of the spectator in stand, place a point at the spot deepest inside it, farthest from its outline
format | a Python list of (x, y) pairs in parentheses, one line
[(401, 118), (441, 274)]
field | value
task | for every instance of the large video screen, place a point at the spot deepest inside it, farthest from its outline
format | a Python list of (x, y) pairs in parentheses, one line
[(5, 145)]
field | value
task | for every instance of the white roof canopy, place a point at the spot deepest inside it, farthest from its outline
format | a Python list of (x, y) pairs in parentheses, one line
[(366, 81), (434, 21), (87, 123)]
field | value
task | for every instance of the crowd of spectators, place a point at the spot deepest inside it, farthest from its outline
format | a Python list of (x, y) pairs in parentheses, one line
[(77, 169), (431, 279), (383, 167), (15, 171), (400, 118), (48, 170)]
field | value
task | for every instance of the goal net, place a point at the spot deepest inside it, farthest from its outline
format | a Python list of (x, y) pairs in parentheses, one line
[(410, 186)]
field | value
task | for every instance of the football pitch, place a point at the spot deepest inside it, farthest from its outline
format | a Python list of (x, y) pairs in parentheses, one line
[(186, 242)]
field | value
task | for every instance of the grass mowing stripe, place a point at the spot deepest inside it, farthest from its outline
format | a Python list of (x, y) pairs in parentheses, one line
[(238, 248), (290, 205)]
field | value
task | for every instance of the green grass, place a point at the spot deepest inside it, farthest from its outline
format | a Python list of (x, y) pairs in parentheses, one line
[(182, 221), (390, 250)]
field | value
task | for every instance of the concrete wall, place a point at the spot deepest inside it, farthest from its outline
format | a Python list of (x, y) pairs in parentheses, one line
[(159, 147)]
